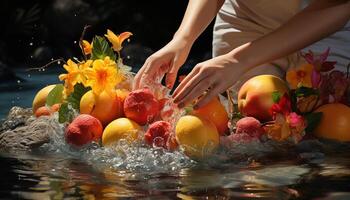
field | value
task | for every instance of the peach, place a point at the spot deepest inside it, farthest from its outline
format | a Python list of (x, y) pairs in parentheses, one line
[(40, 97), (249, 126), (216, 113), (255, 96), (141, 106), (158, 134), (198, 136), (83, 130), (105, 107), (122, 128)]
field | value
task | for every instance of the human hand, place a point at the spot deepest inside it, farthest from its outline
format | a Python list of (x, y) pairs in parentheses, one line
[(209, 78), (167, 61)]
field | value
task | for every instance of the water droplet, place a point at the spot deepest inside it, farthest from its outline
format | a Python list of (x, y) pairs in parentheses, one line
[(31, 44), (13, 102), (51, 59), (128, 40), (18, 81), (75, 41), (28, 75), (75, 14), (17, 98), (31, 57), (128, 57), (59, 62), (43, 69)]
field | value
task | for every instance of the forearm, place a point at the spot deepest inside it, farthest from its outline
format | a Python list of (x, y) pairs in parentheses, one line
[(312, 24), (199, 14)]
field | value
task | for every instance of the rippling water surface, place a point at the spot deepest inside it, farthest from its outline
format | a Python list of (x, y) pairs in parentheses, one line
[(312, 170)]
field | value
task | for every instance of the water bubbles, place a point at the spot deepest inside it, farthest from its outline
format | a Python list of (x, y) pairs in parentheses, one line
[(75, 41), (128, 57), (59, 62), (28, 75), (31, 44), (19, 81)]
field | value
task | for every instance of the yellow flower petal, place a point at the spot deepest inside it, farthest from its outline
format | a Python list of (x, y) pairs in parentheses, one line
[(87, 47), (116, 40)]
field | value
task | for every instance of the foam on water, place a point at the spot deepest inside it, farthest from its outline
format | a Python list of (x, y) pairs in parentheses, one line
[(139, 157)]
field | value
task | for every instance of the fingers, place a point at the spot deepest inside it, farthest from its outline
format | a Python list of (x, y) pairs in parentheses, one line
[(212, 93), (137, 77), (147, 71), (192, 88), (189, 77), (171, 76)]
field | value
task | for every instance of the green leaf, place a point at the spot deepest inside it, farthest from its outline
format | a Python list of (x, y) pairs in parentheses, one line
[(305, 91), (101, 49), (313, 119), (75, 96), (67, 109), (64, 113), (276, 96), (55, 95)]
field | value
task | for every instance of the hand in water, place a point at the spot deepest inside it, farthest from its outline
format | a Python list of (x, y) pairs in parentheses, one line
[(208, 78), (167, 61)]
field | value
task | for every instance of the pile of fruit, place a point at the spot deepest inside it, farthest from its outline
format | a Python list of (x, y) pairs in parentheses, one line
[(96, 103)]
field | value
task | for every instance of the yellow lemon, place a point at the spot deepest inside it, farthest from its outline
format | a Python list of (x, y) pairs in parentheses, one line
[(197, 136), (335, 122), (122, 128), (40, 97)]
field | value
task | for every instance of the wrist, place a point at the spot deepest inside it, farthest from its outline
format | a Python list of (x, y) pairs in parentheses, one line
[(184, 38), (244, 59)]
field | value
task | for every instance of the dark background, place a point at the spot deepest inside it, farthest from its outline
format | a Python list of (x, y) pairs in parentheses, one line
[(36, 31)]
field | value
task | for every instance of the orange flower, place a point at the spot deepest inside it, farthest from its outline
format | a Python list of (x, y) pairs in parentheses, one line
[(300, 76), (87, 47), (103, 76), (74, 75), (117, 40)]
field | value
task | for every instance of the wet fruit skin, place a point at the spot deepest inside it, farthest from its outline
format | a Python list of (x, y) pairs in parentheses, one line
[(105, 107), (250, 126), (198, 136), (335, 122), (255, 96), (40, 97), (215, 112), (47, 111), (83, 130), (122, 128), (158, 134), (141, 106)]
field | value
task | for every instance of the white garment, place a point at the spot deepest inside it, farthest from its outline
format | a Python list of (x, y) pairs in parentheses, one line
[(242, 21)]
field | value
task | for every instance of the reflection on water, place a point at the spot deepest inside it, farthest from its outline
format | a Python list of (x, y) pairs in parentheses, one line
[(56, 177)]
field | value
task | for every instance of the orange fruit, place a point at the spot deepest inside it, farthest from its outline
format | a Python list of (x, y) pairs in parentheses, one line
[(47, 111), (105, 107), (335, 122), (198, 136), (215, 112)]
